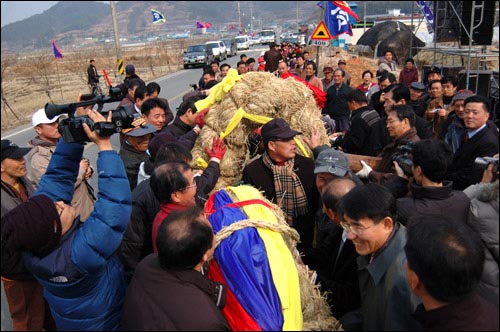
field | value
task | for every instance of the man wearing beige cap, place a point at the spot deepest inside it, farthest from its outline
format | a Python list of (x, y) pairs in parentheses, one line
[(347, 78), (44, 144), (328, 79)]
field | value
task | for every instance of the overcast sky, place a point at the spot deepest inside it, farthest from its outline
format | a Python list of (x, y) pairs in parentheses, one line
[(13, 11)]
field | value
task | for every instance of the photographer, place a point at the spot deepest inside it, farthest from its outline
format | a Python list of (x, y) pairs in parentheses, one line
[(483, 217), (81, 274), (430, 193), (401, 128)]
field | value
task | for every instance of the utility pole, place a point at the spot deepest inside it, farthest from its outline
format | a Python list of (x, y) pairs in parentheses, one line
[(251, 19), (318, 48), (119, 59), (239, 18), (297, 18)]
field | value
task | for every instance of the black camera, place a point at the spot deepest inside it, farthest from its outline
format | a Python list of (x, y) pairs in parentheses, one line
[(71, 128), (483, 163), (404, 159), (194, 86)]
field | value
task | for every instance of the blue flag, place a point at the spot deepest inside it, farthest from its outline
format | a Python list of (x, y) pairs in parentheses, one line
[(157, 16), (427, 12), (336, 20), (57, 52)]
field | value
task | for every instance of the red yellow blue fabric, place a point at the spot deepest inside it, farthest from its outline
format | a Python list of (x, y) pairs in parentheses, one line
[(254, 263)]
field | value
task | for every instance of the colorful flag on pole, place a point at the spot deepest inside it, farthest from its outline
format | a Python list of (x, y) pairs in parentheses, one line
[(345, 7), (320, 4), (57, 52), (427, 12), (157, 16), (231, 27), (337, 18), (208, 25), (199, 25)]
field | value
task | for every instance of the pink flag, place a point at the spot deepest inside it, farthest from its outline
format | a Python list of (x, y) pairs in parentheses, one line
[(208, 25)]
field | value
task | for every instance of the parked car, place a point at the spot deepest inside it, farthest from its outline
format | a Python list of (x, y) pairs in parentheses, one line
[(231, 47), (255, 40), (218, 48), (243, 42), (198, 55)]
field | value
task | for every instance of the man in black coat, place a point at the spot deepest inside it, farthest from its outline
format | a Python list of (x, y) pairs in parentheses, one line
[(137, 240), (335, 259), (361, 137), (430, 193), (286, 178), (481, 140), (336, 102)]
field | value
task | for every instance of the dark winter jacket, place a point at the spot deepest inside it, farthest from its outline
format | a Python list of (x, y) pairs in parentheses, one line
[(137, 242), (172, 300), (463, 172), (433, 200), (360, 139)]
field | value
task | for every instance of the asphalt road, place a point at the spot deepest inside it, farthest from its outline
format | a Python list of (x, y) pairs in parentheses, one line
[(173, 87)]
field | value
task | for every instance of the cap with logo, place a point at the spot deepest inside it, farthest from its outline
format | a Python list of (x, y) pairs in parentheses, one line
[(12, 151), (278, 129), (39, 117), (332, 161)]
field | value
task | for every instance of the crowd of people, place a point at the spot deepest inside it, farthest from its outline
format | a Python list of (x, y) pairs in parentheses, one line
[(408, 243)]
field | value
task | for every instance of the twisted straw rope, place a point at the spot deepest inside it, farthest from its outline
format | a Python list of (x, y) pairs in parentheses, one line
[(226, 231)]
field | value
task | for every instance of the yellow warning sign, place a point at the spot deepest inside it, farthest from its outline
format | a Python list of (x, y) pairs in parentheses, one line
[(120, 66), (321, 32)]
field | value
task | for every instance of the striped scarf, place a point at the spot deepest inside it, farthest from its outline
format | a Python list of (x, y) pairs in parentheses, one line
[(290, 195)]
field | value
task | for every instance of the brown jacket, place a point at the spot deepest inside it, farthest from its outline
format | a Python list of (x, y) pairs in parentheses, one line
[(166, 300)]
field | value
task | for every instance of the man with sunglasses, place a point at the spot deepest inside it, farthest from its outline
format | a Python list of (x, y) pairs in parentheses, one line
[(286, 178), (368, 214)]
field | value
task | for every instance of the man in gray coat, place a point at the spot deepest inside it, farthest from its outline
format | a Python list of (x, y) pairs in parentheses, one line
[(386, 300)]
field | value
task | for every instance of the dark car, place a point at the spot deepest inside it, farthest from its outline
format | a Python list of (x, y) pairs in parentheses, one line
[(231, 46), (197, 55)]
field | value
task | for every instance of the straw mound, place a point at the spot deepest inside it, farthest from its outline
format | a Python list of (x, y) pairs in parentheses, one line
[(258, 93)]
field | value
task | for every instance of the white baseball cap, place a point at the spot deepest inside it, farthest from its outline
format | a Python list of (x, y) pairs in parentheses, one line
[(39, 117)]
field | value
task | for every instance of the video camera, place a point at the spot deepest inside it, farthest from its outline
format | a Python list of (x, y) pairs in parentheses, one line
[(71, 128), (483, 163), (403, 157)]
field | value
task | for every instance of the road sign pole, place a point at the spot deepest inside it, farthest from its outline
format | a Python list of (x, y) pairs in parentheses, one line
[(317, 47)]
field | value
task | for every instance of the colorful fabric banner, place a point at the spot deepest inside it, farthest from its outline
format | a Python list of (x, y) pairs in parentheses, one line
[(208, 25), (57, 52), (199, 25), (427, 12), (337, 18), (157, 16), (254, 263)]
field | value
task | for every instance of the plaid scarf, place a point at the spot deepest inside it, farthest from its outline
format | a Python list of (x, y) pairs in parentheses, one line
[(290, 195)]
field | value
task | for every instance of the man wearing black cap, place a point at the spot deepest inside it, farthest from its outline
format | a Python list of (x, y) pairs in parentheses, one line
[(23, 293), (129, 74), (418, 98), (286, 178)]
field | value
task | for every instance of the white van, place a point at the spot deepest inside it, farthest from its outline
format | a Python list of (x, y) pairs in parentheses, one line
[(242, 42), (218, 48)]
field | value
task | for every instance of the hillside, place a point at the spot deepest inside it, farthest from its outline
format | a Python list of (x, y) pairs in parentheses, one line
[(72, 23)]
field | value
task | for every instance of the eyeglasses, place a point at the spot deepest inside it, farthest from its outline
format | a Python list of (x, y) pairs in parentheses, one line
[(356, 230), (187, 187)]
